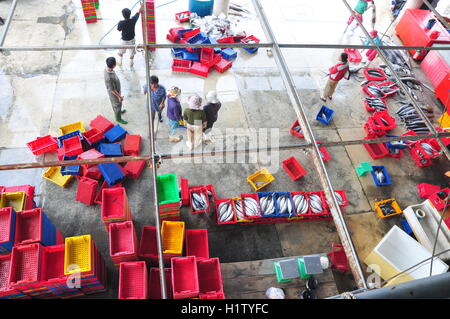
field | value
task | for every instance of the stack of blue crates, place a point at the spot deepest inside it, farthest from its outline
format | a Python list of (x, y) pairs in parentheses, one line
[(110, 149), (276, 195), (115, 134), (264, 194), (7, 229), (111, 173)]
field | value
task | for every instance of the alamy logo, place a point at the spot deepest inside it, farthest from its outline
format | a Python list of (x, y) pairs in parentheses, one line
[(374, 280), (74, 279)]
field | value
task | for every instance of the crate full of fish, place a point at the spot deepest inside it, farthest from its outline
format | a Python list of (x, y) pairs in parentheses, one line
[(317, 203), (387, 121), (267, 204), (419, 157), (375, 104), (183, 16), (211, 192), (325, 114), (225, 211), (341, 198), (284, 204), (387, 208), (301, 203), (430, 147), (238, 207), (199, 200), (375, 74), (296, 130), (388, 88), (380, 176), (250, 203)]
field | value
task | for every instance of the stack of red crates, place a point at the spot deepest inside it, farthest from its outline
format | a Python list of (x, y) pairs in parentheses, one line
[(90, 13), (149, 25), (123, 242), (133, 280), (6, 292), (115, 207), (154, 283), (148, 249), (29, 194), (210, 279)]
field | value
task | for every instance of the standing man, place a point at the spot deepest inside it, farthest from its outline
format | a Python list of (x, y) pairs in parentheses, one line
[(211, 110), (372, 53), (112, 83), (157, 97), (195, 119), (361, 7), (336, 74), (127, 27)]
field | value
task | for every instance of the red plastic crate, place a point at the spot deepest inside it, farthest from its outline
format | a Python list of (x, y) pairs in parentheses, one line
[(426, 190), (5, 290), (134, 169), (199, 69), (419, 156), (28, 227), (6, 225), (446, 221), (293, 168), (101, 124), (209, 276), (197, 243), (177, 16), (374, 78), (325, 207), (437, 201), (72, 146), (29, 191), (86, 190), (226, 40), (208, 58), (114, 203), (210, 188), (199, 189), (366, 90), (191, 33), (184, 191), (53, 265), (389, 119), (181, 65), (326, 156), (25, 265), (147, 246), (218, 202), (223, 65), (371, 109), (255, 197), (122, 240), (295, 133), (376, 150), (132, 145), (434, 144), (91, 154), (98, 197), (353, 55), (184, 277), (306, 195), (91, 172), (43, 145), (133, 280), (154, 283), (93, 135)]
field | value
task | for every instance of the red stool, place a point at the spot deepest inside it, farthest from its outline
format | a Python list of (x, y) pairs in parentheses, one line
[(338, 258)]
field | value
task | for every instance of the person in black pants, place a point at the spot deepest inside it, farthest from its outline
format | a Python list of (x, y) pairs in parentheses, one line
[(127, 27), (211, 110)]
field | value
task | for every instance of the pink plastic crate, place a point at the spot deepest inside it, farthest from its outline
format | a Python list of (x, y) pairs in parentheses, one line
[(199, 69), (197, 243), (5, 290), (101, 123), (134, 169), (28, 227), (209, 276), (98, 197), (184, 277), (114, 203), (29, 191), (181, 65), (25, 265), (53, 264), (91, 154), (293, 168), (133, 280), (389, 119), (7, 227), (122, 240), (132, 145), (154, 283), (223, 65), (72, 146), (148, 247), (326, 156), (43, 145), (426, 190), (218, 202), (93, 135), (86, 190)]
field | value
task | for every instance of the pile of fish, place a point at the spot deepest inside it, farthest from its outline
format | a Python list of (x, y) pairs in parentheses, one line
[(429, 149), (251, 207), (388, 89), (216, 27), (267, 204), (380, 175), (226, 211), (412, 120), (285, 205), (398, 58), (301, 204), (375, 73), (375, 91), (376, 103), (315, 202), (199, 201), (239, 211), (387, 208), (339, 199)]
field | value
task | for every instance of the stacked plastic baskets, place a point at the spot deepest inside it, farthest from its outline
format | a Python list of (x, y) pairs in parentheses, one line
[(82, 259), (123, 242), (172, 235), (149, 25), (6, 292), (133, 280), (7, 229), (168, 197), (115, 206), (89, 10)]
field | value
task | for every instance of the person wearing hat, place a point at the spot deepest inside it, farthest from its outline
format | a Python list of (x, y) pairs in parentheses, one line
[(336, 73), (211, 110), (372, 53), (361, 7), (195, 119), (174, 113)]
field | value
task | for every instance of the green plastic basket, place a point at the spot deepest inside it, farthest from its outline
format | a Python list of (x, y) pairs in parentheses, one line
[(167, 189), (279, 274)]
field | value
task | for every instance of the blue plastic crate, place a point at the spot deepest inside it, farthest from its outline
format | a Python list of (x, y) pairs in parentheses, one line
[(263, 194), (72, 169), (198, 38), (178, 53), (110, 149), (328, 115), (191, 56), (48, 231), (251, 50), (406, 227), (401, 146), (111, 173), (69, 135), (115, 134), (276, 203), (6, 247), (388, 180), (228, 54)]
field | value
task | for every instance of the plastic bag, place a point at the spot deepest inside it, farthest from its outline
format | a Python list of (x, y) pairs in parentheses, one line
[(275, 293)]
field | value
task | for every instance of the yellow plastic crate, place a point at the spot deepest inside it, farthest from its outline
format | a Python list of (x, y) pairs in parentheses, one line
[(172, 234), (444, 121), (69, 128), (16, 200), (77, 251), (240, 220), (53, 174), (397, 208), (260, 179)]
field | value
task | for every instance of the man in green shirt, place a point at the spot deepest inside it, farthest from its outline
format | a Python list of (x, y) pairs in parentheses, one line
[(361, 7)]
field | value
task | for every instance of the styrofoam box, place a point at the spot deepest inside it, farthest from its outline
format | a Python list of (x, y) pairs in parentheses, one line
[(397, 251)]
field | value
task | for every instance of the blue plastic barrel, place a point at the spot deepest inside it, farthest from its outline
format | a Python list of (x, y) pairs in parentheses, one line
[(201, 7)]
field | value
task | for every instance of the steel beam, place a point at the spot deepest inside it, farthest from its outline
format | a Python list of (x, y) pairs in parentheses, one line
[(401, 84), (328, 188), (7, 22)]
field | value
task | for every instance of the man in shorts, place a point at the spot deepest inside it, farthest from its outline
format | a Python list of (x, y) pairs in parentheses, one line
[(127, 27)]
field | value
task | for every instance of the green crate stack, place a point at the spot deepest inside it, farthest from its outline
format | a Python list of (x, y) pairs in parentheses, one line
[(168, 197)]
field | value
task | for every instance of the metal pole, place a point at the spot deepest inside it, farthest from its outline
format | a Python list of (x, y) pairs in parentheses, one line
[(8, 22), (438, 15), (402, 86), (152, 152), (329, 192)]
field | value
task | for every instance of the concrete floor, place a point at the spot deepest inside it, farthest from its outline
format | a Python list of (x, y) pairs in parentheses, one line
[(44, 90)]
